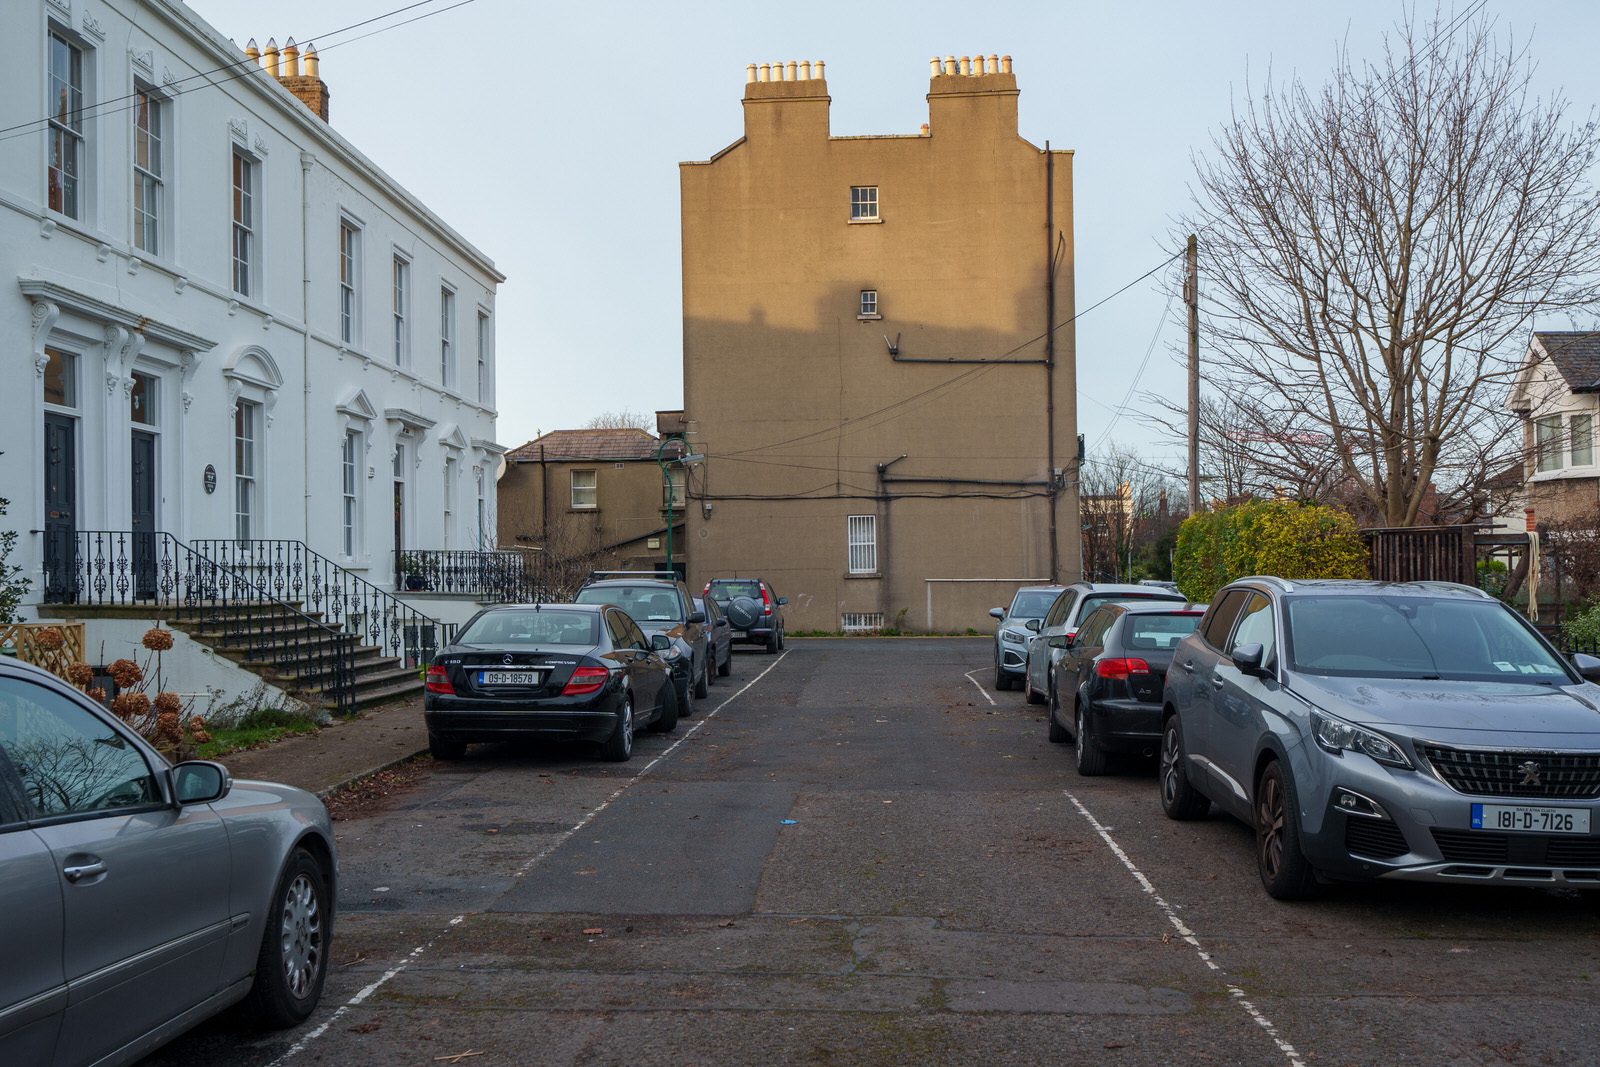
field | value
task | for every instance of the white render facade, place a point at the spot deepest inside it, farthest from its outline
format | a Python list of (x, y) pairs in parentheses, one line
[(219, 319)]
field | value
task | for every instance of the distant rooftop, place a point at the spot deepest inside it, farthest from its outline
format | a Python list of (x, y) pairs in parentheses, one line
[(1575, 354), (624, 443)]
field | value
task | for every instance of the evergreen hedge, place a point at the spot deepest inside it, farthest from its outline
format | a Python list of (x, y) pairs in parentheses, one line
[(1278, 537)]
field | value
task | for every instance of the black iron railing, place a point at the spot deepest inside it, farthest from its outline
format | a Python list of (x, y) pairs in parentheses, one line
[(291, 571), (116, 568), (501, 577)]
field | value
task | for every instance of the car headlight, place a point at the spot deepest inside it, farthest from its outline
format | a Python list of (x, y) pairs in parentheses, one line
[(1011, 637), (1336, 736)]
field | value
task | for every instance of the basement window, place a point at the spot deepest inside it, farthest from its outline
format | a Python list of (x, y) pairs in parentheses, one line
[(869, 305), (852, 622)]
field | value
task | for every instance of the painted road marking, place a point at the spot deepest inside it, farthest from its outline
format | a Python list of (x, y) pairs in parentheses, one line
[(1189, 937), (533, 861), (969, 677)]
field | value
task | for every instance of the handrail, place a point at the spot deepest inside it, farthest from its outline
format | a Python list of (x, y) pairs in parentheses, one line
[(496, 575), (97, 568), (294, 571)]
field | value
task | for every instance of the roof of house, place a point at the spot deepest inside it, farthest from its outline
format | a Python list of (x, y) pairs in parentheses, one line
[(558, 445), (1576, 354)]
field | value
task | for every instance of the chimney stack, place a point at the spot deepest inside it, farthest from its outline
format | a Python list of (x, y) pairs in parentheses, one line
[(307, 85)]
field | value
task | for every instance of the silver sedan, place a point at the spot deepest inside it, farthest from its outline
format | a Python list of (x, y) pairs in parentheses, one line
[(140, 897)]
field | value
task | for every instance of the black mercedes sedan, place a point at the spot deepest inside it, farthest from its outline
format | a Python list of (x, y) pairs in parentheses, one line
[(582, 672), (1107, 692)]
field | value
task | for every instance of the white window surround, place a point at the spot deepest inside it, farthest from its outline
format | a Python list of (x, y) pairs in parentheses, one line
[(152, 151), (70, 130), (447, 337), (352, 457), (400, 307), (864, 204), (357, 415), (484, 392), (868, 306), (253, 378), (244, 213), (1561, 444), (350, 271)]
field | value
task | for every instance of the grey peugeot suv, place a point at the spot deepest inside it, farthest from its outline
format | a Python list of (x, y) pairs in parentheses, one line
[(1420, 731)]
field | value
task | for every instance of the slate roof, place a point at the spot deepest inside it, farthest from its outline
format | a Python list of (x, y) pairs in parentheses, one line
[(1576, 354), (562, 445)]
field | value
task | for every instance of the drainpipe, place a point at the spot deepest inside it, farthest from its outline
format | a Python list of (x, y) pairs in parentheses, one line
[(885, 590), (306, 160), (544, 501), (1050, 350)]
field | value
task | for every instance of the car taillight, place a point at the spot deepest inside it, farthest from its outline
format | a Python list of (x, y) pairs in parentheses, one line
[(585, 680), (706, 591), (438, 681), (1120, 668), (766, 602)]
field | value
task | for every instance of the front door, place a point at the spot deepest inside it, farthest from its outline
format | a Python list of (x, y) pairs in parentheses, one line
[(144, 514), (60, 507), (399, 527)]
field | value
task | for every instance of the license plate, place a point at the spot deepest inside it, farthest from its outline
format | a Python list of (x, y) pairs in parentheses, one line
[(510, 677), (1521, 818), (741, 633)]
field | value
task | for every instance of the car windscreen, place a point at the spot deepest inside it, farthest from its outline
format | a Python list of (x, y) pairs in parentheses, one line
[(645, 603), (726, 589), (526, 627), (1158, 630), (1032, 603), (1096, 600), (1415, 637)]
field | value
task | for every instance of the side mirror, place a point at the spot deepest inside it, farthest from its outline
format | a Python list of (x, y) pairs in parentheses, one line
[(200, 782), (782, 601), (997, 613), (1034, 624), (1588, 666), (660, 642), (696, 616), (1248, 659)]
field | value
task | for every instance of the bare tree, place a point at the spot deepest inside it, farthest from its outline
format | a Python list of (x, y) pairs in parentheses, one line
[(1373, 252), (1119, 501), (622, 419)]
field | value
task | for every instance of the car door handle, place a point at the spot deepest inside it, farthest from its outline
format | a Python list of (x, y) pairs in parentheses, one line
[(1189, 666), (1216, 683), (79, 872)]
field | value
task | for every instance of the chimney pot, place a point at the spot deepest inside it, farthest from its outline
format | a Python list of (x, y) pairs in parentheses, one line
[(766, 72), (949, 64), (791, 71), (994, 64), (291, 59), (749, 73), (805, 70), (966, 66), (252, 51), (816, 68), (924, 129), (935, 68), (271, 56), (312, 61), (1005, 64)]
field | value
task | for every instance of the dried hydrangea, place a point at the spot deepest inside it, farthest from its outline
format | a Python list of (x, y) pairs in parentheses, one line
[(125, 673), (168, 702), (50, 639), (157, 640), (80, 674), (131, 705)]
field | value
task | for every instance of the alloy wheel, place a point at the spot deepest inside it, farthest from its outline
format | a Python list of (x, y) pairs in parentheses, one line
[(301, 936), (1270, 817), (1169, 764), (627, 725)]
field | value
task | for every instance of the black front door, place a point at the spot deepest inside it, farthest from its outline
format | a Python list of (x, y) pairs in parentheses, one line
[(144, 514), (60, 507)]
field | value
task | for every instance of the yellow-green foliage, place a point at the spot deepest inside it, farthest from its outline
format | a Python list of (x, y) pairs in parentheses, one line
[(1265, 537)]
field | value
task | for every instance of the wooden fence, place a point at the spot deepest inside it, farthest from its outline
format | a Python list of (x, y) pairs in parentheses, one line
[(30, 644), (1423, 554)]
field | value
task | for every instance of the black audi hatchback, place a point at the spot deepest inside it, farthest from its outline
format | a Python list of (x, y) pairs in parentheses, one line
[(565, 671), (1107, 692)]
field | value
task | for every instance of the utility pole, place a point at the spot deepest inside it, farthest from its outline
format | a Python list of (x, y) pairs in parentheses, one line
[(1191, 298)]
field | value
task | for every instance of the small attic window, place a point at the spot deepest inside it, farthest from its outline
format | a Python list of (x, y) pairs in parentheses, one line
[(863, 203), (869, 305)]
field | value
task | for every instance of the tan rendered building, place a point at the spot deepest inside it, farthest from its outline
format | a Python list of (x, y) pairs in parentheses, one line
[(887, 418), (589, 499)]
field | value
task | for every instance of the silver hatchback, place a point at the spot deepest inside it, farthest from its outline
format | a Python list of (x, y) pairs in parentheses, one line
[(140, 897)]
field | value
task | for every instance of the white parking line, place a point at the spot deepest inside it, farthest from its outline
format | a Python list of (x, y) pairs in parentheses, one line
[(1189, 937), (533, 861), (969, 677)]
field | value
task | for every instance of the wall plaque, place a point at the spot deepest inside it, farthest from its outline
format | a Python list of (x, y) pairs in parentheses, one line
[(211, 479)]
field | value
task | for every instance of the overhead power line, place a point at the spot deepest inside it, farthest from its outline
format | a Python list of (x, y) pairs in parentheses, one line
[(236, 70)]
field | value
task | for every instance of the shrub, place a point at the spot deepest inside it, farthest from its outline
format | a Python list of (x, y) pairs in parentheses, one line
[(1583, 627), (1278, 537)]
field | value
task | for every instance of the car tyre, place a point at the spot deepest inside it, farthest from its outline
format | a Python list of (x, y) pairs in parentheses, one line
[(772, 643), (618, 748), (726, 667), (702, 684), (667, 720), (293, 961), (1285, 872), (782, 641), (1058, 733), (1034, 696), (445, 748), (685, 709), (1002, 680), (1179, 799), (1090, 757)]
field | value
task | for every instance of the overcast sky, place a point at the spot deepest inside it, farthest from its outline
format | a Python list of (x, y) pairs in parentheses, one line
[(549, 135)]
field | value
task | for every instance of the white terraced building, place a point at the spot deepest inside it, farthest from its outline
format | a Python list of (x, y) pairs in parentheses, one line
[(235, 345)]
